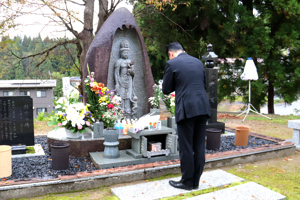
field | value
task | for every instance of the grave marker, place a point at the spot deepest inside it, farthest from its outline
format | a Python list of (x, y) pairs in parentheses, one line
[(16, 121)]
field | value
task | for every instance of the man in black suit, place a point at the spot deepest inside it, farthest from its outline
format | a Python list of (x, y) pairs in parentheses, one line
[(185, 75)]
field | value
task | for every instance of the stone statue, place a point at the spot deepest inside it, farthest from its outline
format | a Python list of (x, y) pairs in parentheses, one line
[(124, 74)]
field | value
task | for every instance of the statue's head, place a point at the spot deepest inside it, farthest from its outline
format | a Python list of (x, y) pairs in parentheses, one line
[(124, 49)]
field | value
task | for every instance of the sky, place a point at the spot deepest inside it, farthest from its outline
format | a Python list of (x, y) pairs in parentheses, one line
[(37, 24)]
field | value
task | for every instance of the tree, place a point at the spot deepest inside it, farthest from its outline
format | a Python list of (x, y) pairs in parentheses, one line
[(271, 37), (61, 15)]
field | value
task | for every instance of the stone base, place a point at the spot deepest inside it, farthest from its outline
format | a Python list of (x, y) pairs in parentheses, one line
[(125, 159), (217, 125), (82, 147)]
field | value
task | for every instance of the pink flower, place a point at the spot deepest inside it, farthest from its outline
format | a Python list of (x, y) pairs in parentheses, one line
[(87, 123), (59, 124), (79, 127)]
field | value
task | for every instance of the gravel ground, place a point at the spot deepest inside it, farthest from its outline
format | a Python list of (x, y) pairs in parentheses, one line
[(41, 166)]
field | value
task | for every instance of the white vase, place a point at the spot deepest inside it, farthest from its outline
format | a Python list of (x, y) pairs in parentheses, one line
[(71, 135)]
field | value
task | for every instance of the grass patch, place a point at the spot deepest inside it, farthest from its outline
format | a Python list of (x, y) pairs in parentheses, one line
[(200, 192), (280, 119), (30, 149), (280, 175), (41, 127), (277, 127)]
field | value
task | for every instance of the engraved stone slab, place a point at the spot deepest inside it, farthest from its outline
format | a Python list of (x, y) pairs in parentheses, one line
[(16, 121)]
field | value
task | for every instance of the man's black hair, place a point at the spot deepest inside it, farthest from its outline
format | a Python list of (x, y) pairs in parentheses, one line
[(173, 47)]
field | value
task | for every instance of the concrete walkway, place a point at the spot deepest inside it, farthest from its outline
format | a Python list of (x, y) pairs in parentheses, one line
[(216, 178)]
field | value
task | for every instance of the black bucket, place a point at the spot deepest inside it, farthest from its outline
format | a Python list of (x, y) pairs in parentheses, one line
[(213, 138), (60, 156)]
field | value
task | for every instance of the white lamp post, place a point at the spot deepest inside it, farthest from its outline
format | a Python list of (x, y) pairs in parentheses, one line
[(250, 73)]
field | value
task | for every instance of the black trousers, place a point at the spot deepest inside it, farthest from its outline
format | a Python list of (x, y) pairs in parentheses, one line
[(191, 139)]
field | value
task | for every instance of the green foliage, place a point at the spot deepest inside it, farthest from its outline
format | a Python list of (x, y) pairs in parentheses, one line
[(271, 37), (58, 64), (41, 116)]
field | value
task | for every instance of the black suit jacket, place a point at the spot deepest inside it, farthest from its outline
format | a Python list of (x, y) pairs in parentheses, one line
[(185, 75)]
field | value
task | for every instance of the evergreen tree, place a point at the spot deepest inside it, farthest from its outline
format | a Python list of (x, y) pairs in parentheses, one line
[(270, 37)]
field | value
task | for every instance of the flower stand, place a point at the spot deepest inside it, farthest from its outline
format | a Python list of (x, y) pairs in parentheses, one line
[(111, 143)]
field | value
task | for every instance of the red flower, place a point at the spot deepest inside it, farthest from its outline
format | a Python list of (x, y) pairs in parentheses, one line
[(109, 106), (173, 95)]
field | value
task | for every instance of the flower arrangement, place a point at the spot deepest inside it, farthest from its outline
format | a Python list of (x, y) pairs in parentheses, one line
[(71, 114), (154, 101), (104, 104), (169, 101)]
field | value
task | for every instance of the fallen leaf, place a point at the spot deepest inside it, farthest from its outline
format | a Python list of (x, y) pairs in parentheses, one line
[(253, 196), (4, 179), (49, 159), (155, 184), (226, 185), (203, 181), (147, 180), (6, 182), (235, 189), (87, 165), (214, 197), (76, 166)]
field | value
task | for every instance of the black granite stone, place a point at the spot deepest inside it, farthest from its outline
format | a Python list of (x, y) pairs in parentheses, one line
[(16, 121)]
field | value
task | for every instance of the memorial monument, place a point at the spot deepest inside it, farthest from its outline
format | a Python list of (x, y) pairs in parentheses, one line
[(119, 59), (212, 87)]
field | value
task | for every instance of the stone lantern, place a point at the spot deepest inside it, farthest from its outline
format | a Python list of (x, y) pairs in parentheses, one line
[(209, 60), (209, 57)]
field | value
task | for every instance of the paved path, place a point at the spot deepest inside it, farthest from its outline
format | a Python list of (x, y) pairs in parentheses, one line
[(216, 178)]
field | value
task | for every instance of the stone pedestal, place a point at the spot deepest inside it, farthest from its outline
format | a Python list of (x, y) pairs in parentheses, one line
[(295, 125), (81, 147), (139, 142)]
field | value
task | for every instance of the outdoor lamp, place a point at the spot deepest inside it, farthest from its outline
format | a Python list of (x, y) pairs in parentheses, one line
[(250, 74), (210, 57)]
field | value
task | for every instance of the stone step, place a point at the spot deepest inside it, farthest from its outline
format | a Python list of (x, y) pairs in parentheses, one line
[(160, 189), (247, 191)]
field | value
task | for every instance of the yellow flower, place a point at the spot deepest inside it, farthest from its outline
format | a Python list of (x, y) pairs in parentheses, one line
[(103, 99)]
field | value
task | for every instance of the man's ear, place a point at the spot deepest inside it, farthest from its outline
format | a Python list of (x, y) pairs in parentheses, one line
[(171, 54)]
